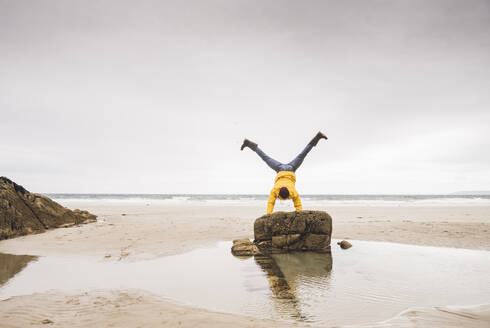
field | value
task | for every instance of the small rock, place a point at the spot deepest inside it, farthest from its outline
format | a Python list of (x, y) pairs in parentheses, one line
[(344, 244), (46, 322), (244, 247)]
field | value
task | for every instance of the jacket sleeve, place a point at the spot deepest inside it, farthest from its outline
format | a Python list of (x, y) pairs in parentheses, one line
[(271, 202), (297, 203)]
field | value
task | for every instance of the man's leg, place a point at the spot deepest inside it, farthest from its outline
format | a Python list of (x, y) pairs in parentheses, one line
[(295, 163), (273, 164)]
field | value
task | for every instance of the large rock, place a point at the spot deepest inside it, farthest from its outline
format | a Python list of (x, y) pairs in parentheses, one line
[(22, 212), (283, 232)]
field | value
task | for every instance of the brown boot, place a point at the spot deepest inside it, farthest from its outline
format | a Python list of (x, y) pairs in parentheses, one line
[(317, 138), (249, 144)]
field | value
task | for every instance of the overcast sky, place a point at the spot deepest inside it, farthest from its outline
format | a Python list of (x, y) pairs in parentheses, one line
[(157, 96)]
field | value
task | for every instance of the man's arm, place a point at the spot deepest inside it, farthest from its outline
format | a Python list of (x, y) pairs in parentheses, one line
[(297, 203), (271, 202)]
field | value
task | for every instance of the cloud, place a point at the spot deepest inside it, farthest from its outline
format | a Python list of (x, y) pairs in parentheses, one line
[(156, 96)]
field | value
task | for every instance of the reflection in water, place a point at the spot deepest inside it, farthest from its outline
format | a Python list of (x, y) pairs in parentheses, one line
[(285, 272), (10, 265), (370, 282)]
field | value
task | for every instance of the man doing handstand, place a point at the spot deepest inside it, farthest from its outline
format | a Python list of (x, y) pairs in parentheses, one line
[(285, 178)]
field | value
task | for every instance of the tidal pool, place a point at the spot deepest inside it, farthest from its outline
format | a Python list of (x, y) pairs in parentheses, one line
[(369, 282)]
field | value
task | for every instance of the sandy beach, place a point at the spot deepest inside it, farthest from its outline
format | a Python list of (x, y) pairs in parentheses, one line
[(134, 231)]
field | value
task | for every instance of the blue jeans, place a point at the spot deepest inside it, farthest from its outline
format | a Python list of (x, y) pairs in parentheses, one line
[(291, 166)]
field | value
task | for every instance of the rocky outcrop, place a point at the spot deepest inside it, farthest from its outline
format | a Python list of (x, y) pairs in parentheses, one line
[(22, 212), (283, 232)]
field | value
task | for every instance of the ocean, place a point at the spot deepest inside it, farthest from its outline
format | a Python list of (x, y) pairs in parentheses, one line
[(310, 200)]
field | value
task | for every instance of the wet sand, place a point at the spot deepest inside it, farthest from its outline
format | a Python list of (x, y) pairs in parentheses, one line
[(135, 231), (109, 308)]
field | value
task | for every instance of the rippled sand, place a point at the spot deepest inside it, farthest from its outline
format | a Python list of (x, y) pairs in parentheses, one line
[(134, 308), (477, 316)]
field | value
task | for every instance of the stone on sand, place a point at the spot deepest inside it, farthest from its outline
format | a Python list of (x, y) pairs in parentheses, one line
[(22, 212), (344, 244), (244, 247)]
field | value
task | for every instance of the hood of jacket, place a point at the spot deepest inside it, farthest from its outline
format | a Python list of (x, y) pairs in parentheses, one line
[(285, 179)]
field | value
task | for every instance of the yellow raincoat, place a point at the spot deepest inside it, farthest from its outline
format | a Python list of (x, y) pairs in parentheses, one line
[(284, 179)]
